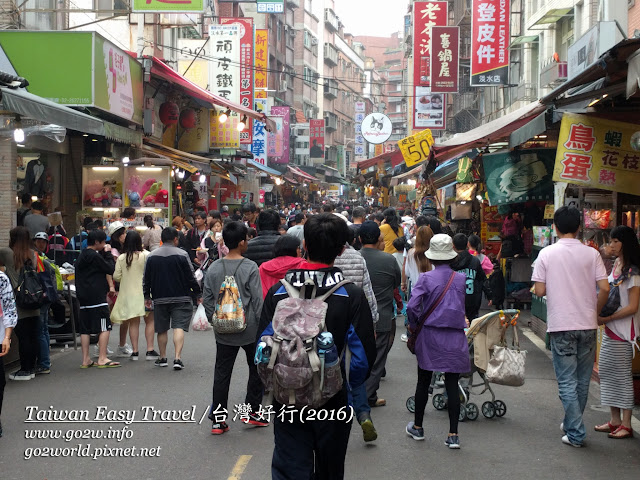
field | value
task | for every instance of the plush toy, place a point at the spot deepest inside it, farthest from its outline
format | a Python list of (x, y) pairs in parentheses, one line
[(105, 199), (153, 189), (149, 200), (134, 198), (117, 200), (145, 188), (93, 187), (134, 184), (162, 198)]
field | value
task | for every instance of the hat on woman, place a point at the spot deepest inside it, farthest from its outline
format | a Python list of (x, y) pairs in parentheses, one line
[(441, 248), (114, 227)]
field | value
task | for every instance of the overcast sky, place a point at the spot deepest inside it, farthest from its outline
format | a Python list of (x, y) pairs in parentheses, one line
[(372, 17)]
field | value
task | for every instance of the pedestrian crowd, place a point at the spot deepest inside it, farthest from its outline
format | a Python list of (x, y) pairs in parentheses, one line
[(312, 295)]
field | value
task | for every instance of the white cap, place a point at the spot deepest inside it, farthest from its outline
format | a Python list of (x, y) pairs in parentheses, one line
[(41, 236), (114, 227)]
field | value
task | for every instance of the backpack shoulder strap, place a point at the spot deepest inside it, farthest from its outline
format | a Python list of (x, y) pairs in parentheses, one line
[(236, 270), (332, 290), (291, 290)]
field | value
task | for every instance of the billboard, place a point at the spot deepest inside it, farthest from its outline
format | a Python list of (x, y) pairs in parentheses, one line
[(490, 42), (316, 139), (445, 44), (278, 141)]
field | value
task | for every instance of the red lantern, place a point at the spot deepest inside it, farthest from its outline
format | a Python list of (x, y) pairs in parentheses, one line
[(169, 113), (188, 118)]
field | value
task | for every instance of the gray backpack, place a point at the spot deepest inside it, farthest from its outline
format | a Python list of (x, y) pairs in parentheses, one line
[(295, 375)]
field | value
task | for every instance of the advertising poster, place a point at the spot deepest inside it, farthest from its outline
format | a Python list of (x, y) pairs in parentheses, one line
[(490, 42), (445, 42), (278, 141), (259, 137), (316, 139), (224, 135)]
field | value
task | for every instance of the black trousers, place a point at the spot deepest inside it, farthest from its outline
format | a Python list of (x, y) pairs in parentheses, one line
[(27, 331), (3, 382), (422, 397), (225, 359)]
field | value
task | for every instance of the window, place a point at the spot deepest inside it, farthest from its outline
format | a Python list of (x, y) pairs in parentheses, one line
[(310, 76), (307, 39), (106, 7), (279, 31)]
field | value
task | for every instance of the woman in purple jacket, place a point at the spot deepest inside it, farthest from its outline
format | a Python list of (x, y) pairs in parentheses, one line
[(441, 345)]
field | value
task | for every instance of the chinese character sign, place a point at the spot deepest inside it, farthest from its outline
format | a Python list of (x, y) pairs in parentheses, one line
[(598, 153), (280, 139), (259, 137), (164, 6), (490, 42), (429, 110), (261, 63), (224, 50), (270, 6), (445, 42), (316, 139), (246, 68), (224, 135)]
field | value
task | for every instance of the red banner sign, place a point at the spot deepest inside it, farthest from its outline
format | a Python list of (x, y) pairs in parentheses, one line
[(246, 69), (490, 42), (445, 44), (316, 139), (428, 110)]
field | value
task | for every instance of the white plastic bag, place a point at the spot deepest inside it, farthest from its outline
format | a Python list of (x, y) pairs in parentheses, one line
[(199, 321)]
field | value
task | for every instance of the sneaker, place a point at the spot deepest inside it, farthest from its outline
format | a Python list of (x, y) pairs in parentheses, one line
[(566, 441), (20, 375), (95, 351), (161, 362), (453, 442), (177, 364), (152, 355), (135, 356), (369, 431), (404, 337), (42, 370), (124, 351), (257, 420), (562, 427), (32, 373), (415, 433), (219, 428)]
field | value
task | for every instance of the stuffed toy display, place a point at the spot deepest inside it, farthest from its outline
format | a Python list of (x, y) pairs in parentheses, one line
[(143, 190), (93, 193), (162, 198), (117, 200), (134, 198), (149, 200), (155, 188)]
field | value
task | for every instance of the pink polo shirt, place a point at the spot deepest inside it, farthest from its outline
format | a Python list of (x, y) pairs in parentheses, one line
[(570, 271)]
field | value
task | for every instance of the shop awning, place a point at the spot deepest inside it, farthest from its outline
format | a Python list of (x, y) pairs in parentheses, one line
[(264, 168), (163, 71), (182, 159), (394, 157), (302, 173), (414, 172), (292, 181)]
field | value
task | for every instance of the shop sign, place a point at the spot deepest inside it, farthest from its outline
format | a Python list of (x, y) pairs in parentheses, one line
[(429, 110), (519, 176), (259, 144), (584, 52), (333, 190), (196, 139), (316, 139), (445, 43), (598, 153), (360, 107), (224, 135), (270, 6), (416, 148), (261, 63), (379, 150), (490, 42), (224, 50), (246, 68), (192, 62), (376, 128), (340, 159), (278, 141), (172, 6)]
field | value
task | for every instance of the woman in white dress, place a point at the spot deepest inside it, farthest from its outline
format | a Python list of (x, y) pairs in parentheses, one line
[(130, 304)]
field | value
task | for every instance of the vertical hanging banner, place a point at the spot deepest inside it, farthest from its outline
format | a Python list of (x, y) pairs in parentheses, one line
[(280, 138), (259, 140), (445, 45), (261, 63), (246, 68), (429, 109), (316, 139), (490, 42)]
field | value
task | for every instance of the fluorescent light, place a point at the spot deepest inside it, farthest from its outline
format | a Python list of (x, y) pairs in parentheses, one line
[(98, 209), (105, 169), (94, 140), (20, 145), (148, 210), (18, 135), (149, 169)]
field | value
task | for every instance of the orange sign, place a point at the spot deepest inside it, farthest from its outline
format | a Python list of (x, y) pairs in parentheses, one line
[(261, 59)]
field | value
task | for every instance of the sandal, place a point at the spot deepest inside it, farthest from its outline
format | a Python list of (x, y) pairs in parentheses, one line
[(606, 428), (381, 402), (110, 365), (88, 366), (628, 432)]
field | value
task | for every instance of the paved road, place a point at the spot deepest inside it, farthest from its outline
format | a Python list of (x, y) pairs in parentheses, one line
[(525, 444)]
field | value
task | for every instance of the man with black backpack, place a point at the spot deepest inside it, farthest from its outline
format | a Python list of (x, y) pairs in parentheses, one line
[(304, 444)]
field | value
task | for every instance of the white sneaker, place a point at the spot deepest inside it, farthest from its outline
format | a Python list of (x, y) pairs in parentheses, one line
[(404, 337), (124, 351), (95, 351), (566, 441)]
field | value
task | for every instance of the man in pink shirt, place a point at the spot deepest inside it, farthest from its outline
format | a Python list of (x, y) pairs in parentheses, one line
[(568, 273)]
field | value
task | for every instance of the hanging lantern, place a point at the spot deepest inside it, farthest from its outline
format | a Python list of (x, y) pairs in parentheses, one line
[(169, 113), (188, 119)]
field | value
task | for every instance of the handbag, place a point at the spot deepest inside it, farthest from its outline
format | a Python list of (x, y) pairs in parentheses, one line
[(413, 336), (461, 211), (506, 366), (613, 301)]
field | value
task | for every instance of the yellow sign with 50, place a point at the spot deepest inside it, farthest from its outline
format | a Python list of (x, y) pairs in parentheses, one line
[(416, 148)]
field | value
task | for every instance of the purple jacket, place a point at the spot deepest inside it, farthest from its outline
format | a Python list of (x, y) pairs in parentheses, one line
[(442, 344)]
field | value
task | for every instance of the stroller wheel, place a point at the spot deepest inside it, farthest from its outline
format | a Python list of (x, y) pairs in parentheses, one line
[(439, 401), (501, 408), (472, 411), (463, 414), (488, 409), (411, 404)]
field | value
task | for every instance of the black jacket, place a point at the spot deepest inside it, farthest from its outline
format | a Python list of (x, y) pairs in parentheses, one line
[(476, 282), (193, 240), (260, 249), (92, 269), (169, 276)]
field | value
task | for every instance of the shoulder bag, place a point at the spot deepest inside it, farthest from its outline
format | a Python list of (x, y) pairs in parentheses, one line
[(506, 366), (411, 341)]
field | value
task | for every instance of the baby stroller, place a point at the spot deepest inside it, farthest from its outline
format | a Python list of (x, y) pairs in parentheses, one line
[(482, 335)]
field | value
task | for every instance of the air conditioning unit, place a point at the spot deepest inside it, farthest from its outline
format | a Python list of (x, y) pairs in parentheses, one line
[(314, 41), (283, 86), (292, 32), (309, 113)]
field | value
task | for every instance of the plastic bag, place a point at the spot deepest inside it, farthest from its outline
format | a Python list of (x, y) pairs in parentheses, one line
[(199, 321)]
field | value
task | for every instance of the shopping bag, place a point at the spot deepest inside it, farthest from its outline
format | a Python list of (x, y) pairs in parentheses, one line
[(506, 366), (199, 321)]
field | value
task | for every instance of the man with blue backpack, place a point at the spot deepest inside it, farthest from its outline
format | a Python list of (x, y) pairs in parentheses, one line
[(308, 320)]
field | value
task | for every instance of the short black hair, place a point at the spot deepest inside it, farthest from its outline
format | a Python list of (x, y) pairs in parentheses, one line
[(434, 223), (99, 223), (37, 205), (168, 235), (86, 222), (460, 241), (202, 215), (436, 263), (129, 212), (327, 208), (215, 214), (249, 207), (91, 226), (421, 221), (251, 232), (233, 233), (379, 216), (474, 241), (236, 218), (25, 198), (325, 236), (352, 236), (268, 220), (358, 212), (567, 220), (299, 217), (96, 236), (286, 246)]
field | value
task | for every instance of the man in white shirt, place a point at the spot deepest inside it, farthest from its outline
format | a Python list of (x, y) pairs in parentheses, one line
[(568, 273)]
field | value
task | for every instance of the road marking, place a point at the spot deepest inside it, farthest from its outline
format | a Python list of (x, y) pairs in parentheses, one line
[(238, 469), (536, 340)]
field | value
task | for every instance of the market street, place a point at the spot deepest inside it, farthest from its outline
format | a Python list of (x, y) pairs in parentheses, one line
[(524, 443)]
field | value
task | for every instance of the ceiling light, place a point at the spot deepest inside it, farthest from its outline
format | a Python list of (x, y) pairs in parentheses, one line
[(94, 140), (181, 174), (224, 116), (149, 169), (125, 160), (20, 145), (203, 178), (85, 134), (243, 123), (105, 169), (18, 135)]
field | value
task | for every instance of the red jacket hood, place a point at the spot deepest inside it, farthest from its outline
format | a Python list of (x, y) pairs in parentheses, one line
[(281, 265)]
